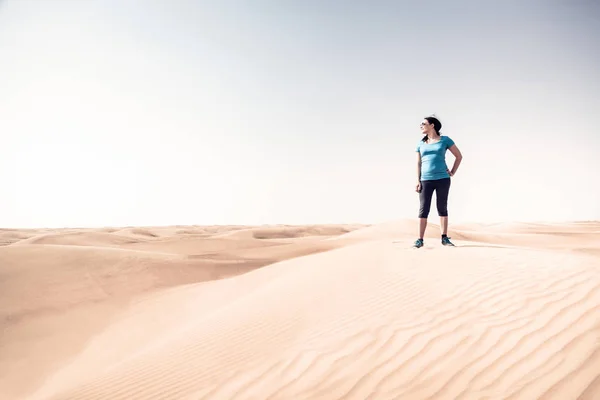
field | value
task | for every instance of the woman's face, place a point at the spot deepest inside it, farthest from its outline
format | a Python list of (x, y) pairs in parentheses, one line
[(426, 127)]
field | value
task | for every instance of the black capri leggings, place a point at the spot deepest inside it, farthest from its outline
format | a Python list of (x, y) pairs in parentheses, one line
[(441, 188)]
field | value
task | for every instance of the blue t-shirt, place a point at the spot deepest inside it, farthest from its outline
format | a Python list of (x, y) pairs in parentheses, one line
[(433, 159)]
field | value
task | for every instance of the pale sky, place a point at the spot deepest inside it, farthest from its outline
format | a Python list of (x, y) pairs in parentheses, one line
[(118, 113)]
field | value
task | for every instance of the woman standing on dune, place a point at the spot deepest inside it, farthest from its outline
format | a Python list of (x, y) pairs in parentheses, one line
[(433, 175)]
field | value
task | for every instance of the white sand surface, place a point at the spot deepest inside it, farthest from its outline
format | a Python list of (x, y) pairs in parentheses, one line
[(314, 312)]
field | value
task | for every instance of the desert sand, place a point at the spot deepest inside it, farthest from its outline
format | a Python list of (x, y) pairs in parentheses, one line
[(301, 312)]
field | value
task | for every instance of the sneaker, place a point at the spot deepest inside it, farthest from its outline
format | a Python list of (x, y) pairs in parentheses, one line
[(446, 241), (418, 243)]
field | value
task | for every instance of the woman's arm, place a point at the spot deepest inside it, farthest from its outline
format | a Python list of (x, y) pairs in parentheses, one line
[(418, 187), (458, 158), (418, 166)]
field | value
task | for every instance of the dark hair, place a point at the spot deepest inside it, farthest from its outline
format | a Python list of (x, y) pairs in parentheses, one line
[(437, 126)]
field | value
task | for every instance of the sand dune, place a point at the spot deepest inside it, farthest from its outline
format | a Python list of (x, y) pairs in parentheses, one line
[(102, 239), (9, 236), (287, 232), (400, 229), (60, 287), (323, 313)]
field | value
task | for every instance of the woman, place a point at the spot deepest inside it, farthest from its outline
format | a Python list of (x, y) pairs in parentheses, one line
[(433, 175)]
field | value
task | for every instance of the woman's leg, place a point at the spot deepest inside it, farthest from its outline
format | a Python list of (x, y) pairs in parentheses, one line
[(422, 227), (444, 225), (441, 195), (425, 196)]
